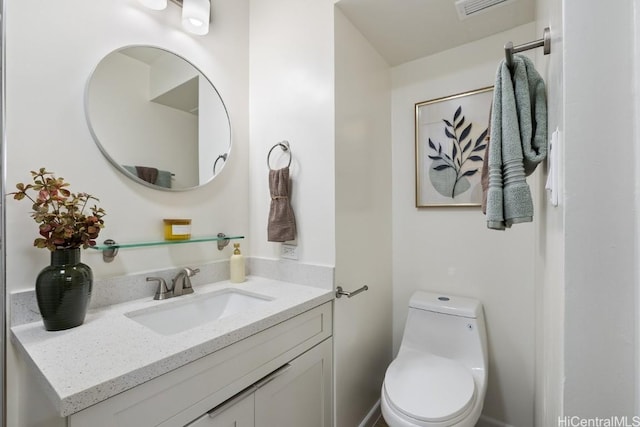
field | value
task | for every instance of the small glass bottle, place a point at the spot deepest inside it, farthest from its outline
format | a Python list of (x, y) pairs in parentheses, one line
[(236, 265)]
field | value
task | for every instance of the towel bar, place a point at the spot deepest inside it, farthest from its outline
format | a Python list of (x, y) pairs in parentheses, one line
[(340, 292), (510, 49), (285, 147)]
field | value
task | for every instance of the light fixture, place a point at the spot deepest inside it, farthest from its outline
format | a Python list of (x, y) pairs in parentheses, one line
[(195, 16), (195, 13), (155, 4)]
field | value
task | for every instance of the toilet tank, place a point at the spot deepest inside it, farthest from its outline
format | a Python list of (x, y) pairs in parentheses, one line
[(447, 326)]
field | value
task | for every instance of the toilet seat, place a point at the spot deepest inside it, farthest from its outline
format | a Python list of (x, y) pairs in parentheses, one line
[(429, 388)]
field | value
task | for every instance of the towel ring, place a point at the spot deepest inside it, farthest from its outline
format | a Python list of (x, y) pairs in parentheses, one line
[(222, 157), (285, 147)]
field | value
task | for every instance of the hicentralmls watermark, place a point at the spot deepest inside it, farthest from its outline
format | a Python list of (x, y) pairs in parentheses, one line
[(576, 421)]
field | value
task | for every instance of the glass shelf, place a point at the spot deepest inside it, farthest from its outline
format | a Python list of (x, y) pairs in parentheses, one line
[(110, 250)]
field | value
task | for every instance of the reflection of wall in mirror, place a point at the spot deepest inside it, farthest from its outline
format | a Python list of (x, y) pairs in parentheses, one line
[(213, 127), (135, 131)]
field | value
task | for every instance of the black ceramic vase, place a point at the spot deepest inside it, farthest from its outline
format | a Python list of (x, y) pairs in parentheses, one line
[(63, 290)]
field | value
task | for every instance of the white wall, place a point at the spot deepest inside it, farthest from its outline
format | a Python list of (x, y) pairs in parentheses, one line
[(213, 125), (450, 250), (362, 325), (600, 224), (48, 62), (588, 279), (292, 99), (636, 65), (550, 234)]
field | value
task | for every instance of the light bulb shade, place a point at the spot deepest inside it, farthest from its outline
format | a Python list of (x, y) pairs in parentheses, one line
[(195, 16), (155, 4)]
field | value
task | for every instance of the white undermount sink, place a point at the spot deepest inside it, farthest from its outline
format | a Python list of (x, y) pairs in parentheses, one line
[(195, 310)]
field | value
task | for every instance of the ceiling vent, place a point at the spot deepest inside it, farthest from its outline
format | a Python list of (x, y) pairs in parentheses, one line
[(468, 8)]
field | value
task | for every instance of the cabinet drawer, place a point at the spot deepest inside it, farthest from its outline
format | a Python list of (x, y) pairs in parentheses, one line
[(239, 414), (183, 395)]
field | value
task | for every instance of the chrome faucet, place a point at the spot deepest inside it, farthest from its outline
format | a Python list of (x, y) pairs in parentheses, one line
[(162, 292), (182, 281)]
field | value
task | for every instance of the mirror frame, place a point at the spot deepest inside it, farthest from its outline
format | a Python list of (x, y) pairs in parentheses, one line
[(116, 164)]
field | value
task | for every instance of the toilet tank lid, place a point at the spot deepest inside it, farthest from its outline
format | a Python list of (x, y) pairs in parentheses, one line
[(447, 304)]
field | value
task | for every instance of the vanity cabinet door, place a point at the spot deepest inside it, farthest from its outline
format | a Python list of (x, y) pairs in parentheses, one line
[(238, 412), (300, 395)]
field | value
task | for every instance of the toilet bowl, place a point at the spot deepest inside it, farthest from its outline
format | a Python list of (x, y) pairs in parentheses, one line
[(439, 377)]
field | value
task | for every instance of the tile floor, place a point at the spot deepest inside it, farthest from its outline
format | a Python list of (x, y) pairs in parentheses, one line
[(380, 423)]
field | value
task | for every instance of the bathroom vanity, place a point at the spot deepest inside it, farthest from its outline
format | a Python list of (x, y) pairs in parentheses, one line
[(265, 363)]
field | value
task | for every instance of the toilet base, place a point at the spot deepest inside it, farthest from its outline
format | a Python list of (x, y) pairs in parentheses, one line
[(393, 419)]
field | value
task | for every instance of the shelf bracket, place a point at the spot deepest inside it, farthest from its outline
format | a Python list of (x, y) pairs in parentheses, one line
[(222, 243), (109, 255)]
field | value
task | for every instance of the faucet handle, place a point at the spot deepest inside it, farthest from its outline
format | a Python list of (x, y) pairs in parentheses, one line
[(162, 292), (189, 272)]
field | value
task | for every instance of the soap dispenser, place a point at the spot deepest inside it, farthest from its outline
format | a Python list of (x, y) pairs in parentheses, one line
[(236, 265)]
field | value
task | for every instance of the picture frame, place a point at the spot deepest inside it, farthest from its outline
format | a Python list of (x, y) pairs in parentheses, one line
[(450, 144)]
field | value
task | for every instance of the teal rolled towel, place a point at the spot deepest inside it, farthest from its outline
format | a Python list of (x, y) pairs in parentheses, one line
[(531, 102), (518, 142)]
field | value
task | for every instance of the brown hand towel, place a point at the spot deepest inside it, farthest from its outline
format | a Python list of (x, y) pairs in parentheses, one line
[(147, 174), (282, 222)]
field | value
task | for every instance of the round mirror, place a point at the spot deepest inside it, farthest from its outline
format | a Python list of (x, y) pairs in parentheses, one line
[(157, 118)]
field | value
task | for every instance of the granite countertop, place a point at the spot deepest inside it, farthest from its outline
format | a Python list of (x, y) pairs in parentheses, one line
[(111, 353)]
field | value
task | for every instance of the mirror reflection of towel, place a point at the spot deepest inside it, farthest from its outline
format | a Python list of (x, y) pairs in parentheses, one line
[(162, 178), (282, 222), (147, 174)]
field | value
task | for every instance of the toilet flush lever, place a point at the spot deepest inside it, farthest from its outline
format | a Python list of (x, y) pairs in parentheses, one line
[(340, 292)]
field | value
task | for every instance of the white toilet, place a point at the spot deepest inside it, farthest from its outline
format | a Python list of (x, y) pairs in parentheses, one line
[(439, 377)]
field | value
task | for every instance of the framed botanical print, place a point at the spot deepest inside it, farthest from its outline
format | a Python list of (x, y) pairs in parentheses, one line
[(450, 147)]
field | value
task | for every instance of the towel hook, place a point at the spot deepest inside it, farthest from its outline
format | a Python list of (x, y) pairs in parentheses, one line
[(285, 147), (544, 42)]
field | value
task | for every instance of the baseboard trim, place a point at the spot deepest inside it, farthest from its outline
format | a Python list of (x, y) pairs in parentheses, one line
[(485, 421), (373, 415)]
